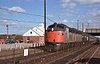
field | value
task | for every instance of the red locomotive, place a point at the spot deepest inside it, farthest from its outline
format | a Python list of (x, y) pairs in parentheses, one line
[(59, 35)]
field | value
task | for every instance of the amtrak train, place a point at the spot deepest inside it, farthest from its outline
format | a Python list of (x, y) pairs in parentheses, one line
[(58, 36)]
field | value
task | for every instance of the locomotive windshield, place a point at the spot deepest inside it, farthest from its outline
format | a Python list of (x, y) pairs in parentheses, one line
[(57, 27)]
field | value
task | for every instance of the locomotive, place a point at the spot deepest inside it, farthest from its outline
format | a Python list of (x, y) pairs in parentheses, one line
[(58, 36)]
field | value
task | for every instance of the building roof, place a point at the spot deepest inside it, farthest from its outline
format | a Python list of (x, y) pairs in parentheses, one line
[(35, 31)]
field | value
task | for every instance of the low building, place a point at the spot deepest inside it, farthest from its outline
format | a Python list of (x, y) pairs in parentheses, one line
[(34, 35)]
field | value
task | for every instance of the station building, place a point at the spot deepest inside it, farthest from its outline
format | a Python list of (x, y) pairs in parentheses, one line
[(34, 35)]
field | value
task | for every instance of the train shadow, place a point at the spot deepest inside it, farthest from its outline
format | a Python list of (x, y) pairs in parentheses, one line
[(92, 60)]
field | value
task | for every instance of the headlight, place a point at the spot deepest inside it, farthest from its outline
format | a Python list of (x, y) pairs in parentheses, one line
[(52, 29)]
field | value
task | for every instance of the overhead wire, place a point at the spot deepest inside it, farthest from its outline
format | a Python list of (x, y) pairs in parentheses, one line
[(26, 13), (16, 20), (7, 10)]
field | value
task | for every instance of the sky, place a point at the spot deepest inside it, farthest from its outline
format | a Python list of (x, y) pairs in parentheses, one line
[(22, 15)]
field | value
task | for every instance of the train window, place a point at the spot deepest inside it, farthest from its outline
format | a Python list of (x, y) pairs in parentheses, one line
[(60, 26)]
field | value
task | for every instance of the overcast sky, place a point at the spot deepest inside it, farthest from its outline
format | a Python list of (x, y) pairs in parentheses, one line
[(22, 15)]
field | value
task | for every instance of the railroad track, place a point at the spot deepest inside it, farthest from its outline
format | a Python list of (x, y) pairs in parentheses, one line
[(51, 57), (18, 58), (67, 58), (17, 53), (29, 59), (83, 56), (39, 58)]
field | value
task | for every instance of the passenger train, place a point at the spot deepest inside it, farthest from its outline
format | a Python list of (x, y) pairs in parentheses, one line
[(58, 36)]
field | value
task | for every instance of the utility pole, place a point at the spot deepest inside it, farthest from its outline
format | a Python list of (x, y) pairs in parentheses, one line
[(44, 21), (82, 26), (88, 25), (78, 24), (7, 31)]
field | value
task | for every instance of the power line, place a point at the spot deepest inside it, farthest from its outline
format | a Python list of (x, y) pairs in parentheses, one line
[(21, 12), (17, 20), (26, 13)]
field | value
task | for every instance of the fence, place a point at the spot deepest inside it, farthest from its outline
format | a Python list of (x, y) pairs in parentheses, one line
[(19, 46)]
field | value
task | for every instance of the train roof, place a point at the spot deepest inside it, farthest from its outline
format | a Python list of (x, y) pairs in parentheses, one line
[(58, 25), (64, 27), (73, 30)]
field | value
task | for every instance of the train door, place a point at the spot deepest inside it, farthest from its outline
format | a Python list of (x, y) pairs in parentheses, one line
[(66, 36)]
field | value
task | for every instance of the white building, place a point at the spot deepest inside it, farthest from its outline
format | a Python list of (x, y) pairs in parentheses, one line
[(34, 35)]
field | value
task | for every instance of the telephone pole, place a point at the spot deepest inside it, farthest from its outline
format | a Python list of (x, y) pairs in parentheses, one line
[(78, 24), (88, 25), (82, 26), (44, 20)]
